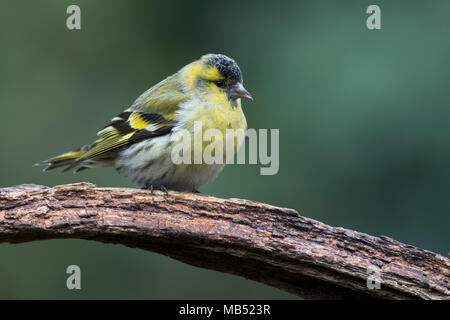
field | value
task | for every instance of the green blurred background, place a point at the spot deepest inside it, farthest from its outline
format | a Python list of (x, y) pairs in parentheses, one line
[(363, 118)]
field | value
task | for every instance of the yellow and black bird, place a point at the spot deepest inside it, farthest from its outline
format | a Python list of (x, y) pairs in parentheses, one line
[(139, 141)]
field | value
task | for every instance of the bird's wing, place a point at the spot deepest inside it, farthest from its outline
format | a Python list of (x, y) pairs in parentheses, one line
[(151, 115), (127, 128)]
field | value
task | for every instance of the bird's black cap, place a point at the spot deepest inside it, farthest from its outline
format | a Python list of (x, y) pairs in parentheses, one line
[(226, 66)]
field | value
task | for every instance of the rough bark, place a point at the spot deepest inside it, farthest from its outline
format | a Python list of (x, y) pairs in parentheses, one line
[(272, 245)]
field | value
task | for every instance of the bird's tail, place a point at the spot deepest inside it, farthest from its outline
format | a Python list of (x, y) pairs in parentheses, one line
[(69, 159)]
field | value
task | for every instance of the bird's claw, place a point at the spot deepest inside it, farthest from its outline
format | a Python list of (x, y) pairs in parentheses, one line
[(160, 188)]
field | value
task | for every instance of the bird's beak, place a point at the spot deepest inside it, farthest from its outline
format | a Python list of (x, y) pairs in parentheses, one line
[(238, 91)]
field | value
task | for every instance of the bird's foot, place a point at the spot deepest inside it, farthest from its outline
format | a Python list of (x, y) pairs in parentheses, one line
[(160, 188), (164, 189)]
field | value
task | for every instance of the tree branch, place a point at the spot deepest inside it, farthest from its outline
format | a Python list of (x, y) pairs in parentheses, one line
[(264, 243)]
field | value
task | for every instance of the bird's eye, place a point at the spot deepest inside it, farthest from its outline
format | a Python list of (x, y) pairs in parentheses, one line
[(220, 83)]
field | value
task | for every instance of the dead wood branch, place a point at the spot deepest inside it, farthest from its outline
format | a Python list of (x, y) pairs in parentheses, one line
[(264, 243)]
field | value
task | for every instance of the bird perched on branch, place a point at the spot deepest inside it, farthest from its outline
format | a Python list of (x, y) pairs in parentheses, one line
[(139, 141)]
